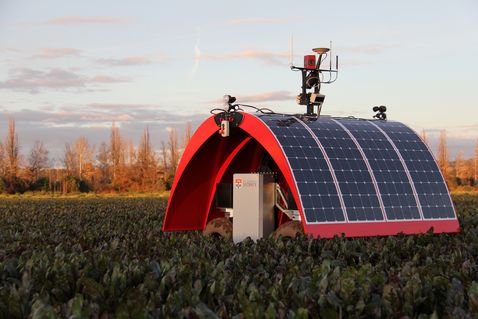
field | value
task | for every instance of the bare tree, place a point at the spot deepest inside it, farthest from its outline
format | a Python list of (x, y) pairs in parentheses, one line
[(424, 137), (146, 162), (85, 153), (144, 148), (173, 150), (103, 163), (131, 156), (460, 171), (12, 150), (476, 164), (164, 161), (70, 159), (2, 160), (443, 154), (187, 135), (38, 159), (468, 171), (115, 150)]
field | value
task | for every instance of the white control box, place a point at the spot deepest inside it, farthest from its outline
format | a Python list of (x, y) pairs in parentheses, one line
[(253, 206)]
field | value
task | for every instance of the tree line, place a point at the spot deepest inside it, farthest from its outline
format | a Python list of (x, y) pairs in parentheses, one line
[(117, 165), (460, 174)]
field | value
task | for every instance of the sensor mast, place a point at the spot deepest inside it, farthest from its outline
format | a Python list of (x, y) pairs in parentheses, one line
[(312, 78)]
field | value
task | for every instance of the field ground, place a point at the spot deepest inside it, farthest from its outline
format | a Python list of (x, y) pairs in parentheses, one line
[(107, 257)]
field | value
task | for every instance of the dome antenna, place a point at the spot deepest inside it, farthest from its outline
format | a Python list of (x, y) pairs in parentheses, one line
[(313, 76)]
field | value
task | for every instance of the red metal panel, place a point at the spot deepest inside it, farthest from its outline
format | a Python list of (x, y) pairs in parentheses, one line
[(244, 159), (174, 209), (189, 199), (194, 183), (382, 228), (220, 174), (204, 131), (195, 176)]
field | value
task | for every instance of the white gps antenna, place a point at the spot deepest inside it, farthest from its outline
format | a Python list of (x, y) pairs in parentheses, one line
[(291, 50)]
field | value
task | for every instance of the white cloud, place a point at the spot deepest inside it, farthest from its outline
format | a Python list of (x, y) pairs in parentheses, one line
[(262, 20), (34, 81), (82, 20), (267, 97), (53, 53), (276, 58)]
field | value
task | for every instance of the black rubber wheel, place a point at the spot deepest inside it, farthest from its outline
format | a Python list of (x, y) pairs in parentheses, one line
[(220, 226)]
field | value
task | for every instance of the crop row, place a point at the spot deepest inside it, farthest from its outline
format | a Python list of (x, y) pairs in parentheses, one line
[(108, 258)]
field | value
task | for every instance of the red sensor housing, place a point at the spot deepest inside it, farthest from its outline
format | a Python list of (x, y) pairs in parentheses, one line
[(309, 62)]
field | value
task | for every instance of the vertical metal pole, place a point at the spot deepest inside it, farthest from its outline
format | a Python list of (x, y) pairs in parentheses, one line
[(319, 61), (310, 108), (330, 57), (291, 50)]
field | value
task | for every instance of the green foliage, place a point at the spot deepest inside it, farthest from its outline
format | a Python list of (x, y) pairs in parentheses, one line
[(107, 257), (169, 182), (75, 185), (41, 184), (13, 185)]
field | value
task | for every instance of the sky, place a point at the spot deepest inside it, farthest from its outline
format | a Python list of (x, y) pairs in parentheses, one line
[(71, 68)]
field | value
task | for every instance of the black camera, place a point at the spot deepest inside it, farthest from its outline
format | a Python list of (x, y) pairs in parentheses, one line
[(381, 108), (381, 115)]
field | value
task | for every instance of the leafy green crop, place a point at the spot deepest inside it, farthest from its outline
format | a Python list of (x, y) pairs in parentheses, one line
[(107, 257)]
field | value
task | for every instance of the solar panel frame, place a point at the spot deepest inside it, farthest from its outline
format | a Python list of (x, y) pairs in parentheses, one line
[(304, 158), (360, 197), (311, 214), (407, 171), (393, 130), (367, 163), (330, 167), (396, 190)]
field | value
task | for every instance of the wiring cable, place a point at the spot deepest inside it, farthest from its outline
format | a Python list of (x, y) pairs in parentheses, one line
[(213, 111), (263, 110)]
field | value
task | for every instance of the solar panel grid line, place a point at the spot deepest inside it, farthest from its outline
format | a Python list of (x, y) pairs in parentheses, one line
[(381, 221), (395, 188), (329, 165), (356, 185), (407, 171), (437, 171), (441, 174), (367, 163), (288, 163), (323, 203), (319, 199)]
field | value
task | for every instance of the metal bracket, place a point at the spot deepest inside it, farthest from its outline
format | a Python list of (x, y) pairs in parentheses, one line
[(228, 212), (293, 214)]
